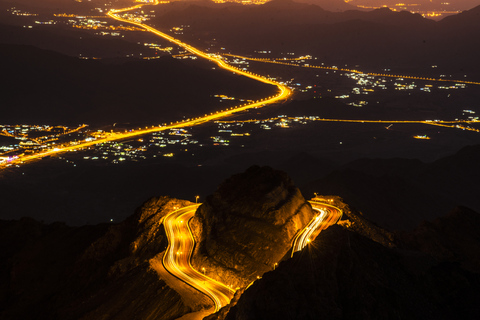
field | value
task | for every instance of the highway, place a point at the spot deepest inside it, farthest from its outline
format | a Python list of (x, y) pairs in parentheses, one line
[(327, 215), (177, 257), (283, 93), (388, 75)]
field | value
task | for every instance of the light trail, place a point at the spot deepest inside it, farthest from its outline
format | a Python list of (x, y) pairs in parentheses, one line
[(284, 93), (177, 258), (327, 215), (279, 61), (216, 58)]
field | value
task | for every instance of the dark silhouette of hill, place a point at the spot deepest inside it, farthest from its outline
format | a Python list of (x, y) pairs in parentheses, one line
[(343, 275), (399, 193), (92, 272), (330, 5), (466, 19), (47, 87), (378, 38), (68, 41), (248, 224), (453, 237), (352, 270)]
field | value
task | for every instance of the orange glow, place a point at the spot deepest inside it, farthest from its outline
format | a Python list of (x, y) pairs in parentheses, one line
[(177, 258), (327, 215)]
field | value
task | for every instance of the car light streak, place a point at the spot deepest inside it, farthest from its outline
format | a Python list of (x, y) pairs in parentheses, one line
[(327, 216), (177, 258)]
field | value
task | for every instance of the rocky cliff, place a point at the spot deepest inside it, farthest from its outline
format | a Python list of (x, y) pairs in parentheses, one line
[(343, 274), (248, 225), (91, 272), (354, 270)]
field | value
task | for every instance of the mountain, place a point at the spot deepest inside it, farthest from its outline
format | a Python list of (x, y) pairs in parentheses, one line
[(248, 224), (398, 193), (330, 5), (466, 19), (355, 269), (343, 276), (93, 272), (372, 39), (453, 237)]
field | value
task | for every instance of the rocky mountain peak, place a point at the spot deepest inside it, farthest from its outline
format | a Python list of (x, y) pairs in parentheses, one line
[(249, 224)]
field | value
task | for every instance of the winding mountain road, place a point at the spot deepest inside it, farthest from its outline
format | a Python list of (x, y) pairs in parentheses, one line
[(327, 215), (177, 258)]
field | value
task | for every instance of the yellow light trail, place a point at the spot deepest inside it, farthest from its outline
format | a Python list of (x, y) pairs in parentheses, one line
[(279, 61), (327, 215), (216, 58), (177, 257), (284, 93)]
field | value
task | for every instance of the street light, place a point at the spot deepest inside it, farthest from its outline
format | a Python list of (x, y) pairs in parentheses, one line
[(196, 199), (203, 269)]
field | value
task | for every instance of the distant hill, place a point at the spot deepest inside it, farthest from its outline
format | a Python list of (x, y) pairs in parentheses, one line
[(378, 38), (399, 193), (330, 5)]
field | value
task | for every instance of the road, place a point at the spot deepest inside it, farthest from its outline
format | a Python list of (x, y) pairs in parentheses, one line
[(283, 93), (388, 75), (177, 258), (327, 216)]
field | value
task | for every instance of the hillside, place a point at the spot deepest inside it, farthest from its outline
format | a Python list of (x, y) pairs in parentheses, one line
[(373, 39), (352, 270), (343, 275), (399, 193)]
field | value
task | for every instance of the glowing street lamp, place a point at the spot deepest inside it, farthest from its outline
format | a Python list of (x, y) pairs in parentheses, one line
[(196, 199)]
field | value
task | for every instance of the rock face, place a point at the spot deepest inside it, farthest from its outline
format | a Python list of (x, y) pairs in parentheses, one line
[(91, 272), (346, 274), (248, 225)]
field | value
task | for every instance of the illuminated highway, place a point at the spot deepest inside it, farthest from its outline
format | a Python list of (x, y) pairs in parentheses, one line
[(178, 256), (282, 62), (218, 59), (327, 216), (283, 93)]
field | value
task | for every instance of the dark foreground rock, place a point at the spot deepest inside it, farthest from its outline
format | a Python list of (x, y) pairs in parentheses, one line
[(248, 225), (91, 272), (345, 275)]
